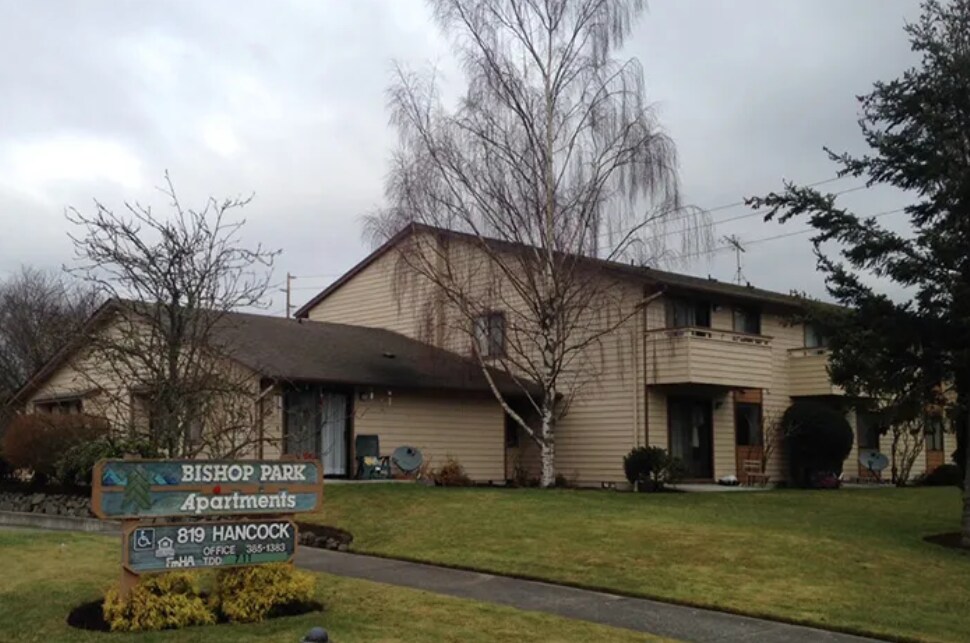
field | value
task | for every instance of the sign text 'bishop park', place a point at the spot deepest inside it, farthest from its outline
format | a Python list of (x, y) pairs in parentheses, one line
[(157, 488)]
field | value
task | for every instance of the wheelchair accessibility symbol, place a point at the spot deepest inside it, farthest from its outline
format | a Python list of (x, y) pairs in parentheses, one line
[(144, 539)]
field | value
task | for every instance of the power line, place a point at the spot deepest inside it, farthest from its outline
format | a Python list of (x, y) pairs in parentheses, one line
[(740, 216), (782, 235)]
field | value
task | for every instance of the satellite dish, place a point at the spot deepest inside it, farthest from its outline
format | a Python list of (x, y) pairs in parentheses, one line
[(873, 460), (407, 459)]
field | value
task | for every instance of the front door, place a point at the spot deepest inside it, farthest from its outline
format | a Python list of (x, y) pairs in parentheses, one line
[(935, 450), (748, 437), (691, 433), (333, 433)]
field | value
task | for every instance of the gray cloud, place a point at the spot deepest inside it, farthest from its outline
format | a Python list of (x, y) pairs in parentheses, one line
[(286, 99)]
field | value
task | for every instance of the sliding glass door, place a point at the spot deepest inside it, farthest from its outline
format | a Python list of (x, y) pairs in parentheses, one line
[(691, 433)]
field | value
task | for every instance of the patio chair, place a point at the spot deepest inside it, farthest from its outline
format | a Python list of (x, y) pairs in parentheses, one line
[(753, 471), (370, 464)]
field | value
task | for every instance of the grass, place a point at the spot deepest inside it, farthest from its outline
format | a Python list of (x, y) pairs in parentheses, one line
[(46, 574), (849, 559)]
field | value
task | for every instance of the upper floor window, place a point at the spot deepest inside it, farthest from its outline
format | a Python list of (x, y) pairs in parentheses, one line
[(814, 337), (688, 312), (490, 334), (65, 406), (747, 320)]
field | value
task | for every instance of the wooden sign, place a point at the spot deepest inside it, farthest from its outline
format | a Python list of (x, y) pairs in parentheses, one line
[(157, 548), (126, 489)]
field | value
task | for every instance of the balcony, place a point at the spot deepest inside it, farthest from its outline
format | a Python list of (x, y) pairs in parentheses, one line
[(808, 372), (708, 356)]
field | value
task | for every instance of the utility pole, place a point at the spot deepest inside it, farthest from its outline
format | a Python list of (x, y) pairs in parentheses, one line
[(289, 280), (733, 241)]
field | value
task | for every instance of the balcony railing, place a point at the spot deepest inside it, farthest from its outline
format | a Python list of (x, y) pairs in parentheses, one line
[(808, 372), (695, 355)]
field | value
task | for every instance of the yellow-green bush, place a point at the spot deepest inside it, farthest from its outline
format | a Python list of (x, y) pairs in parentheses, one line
[(250, 594), (158, 602)]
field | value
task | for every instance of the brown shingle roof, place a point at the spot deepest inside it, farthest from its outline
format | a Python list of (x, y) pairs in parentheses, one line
[(669, 280), (300, 350)]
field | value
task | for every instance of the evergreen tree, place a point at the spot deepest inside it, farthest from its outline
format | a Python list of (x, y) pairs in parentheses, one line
[(918, 129)]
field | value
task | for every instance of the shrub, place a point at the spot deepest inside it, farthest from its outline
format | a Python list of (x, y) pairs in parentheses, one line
[(158, 602), (947, 475), (819, 439), (76, 464), (650, 468), (451, 474), (37, 441), (251, 594)]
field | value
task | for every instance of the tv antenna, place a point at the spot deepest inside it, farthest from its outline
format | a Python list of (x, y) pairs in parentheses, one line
[(735, 242)]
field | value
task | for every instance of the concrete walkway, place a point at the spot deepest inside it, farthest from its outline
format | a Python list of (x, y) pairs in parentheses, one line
[(642, 615)]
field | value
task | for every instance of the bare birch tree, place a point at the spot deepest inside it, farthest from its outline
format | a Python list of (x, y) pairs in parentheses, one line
[(172, 280), (551, 159)]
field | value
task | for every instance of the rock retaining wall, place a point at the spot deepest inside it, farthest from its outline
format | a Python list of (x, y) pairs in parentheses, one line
[(45, 503)]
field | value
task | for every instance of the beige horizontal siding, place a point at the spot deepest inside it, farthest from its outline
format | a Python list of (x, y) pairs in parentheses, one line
[(709, 356), (469, 428), (808, 373), (378, 297)]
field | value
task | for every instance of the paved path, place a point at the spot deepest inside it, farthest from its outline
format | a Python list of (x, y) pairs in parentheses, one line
[(642, 615)]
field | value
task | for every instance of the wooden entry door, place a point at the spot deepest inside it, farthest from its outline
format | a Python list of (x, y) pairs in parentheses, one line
[(748, 430), (935, 449)]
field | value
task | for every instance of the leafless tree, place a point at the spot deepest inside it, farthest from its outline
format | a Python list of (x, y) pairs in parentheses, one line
[(172, 280), (40, 311), (773, 436), (550, 160), (907, 439)]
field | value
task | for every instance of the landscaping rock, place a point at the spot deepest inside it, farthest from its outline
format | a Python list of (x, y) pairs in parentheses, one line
[(45, 503)]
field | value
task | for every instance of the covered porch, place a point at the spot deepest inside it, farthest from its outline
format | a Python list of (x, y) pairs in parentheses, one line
[(716, 431)]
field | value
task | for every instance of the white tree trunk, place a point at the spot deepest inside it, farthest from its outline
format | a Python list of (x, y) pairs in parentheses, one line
[(547, 448)]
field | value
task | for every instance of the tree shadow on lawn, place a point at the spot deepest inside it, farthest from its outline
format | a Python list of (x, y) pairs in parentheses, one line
[(950, 540)]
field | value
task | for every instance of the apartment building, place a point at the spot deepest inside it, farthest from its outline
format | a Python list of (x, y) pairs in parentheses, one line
[(699, 371), (699, 367)]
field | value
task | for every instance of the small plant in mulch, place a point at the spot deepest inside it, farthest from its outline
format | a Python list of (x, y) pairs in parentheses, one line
[(451, 474)]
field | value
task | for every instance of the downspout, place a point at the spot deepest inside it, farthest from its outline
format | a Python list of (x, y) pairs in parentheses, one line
[(636, 382), (640, 353), (262, 422), (643, 388)]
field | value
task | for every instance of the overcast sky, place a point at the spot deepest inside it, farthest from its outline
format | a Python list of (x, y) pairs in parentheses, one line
[(286, 100)]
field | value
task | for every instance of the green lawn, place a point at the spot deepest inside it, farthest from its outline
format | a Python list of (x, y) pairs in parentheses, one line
[(848, 559), (45, 574)]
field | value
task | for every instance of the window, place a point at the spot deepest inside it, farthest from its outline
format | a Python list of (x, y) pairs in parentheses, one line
[(747, 320), (814, 337), (686, 312), (490, 334), (60, 407), (747, 424), (868, 426), (934, 433)]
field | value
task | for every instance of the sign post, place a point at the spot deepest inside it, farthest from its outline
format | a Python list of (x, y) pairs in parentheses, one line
[(138, 492)]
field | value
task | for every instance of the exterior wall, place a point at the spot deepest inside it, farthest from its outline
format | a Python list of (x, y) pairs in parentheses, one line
[(469, 428), (378, 297), (114, 401)]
